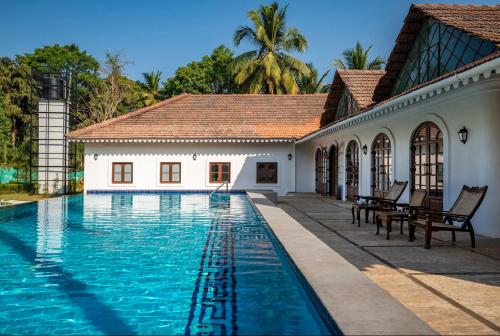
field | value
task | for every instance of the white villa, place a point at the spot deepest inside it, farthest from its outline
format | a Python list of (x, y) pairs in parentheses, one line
[(431, 118)]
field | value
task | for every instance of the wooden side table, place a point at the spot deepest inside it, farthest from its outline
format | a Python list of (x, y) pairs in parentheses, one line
[(387, 217)]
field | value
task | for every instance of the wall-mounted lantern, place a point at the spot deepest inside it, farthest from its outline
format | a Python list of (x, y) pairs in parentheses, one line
[(290, 156), (365, 149), (194, 156), (96, 156), (463, 134)]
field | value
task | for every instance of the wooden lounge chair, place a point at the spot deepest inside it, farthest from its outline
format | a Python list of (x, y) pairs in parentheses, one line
[(375, 202), (461, 212), (386, 216)]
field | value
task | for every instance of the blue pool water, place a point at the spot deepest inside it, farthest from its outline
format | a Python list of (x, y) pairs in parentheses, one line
[(147, 264)]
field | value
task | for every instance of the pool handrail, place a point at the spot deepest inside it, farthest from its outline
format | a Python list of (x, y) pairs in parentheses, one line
[(218, 187)]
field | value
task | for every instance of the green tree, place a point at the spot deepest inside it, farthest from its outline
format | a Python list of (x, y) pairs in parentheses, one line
[(60, 59), (106, 94), (269, 69), (15, 92), (210, 75), (5, 133), (357, 58), (312, 83), (151, 87)]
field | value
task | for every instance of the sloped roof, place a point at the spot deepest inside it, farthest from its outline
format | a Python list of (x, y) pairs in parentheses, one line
[(360, 83), (458, 71), (229, 116), (480, 21)]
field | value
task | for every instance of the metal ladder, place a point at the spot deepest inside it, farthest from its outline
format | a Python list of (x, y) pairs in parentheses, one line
[(218, 187)]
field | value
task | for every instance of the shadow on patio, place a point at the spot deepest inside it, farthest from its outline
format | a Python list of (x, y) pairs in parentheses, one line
[(453, 289)]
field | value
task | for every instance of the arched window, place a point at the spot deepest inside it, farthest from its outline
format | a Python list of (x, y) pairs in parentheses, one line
[(427, 163), (333, 171), (381, 163), (321, 171), (352, 169)]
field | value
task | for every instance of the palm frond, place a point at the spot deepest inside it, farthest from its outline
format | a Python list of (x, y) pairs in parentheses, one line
[(293, 40)]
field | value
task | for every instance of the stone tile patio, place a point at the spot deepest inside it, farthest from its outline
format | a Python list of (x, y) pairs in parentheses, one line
[(453, 289)]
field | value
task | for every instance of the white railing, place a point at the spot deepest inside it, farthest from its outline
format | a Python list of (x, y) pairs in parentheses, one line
[(220, 186)]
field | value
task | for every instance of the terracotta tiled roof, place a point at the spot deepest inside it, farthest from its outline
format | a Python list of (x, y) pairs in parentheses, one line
[(479, 21), (360, 83), (434, 80), (235, 116)]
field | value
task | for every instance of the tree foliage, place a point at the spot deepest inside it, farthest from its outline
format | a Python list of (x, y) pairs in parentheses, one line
[(312, 83), (151, 87), (357, 58), (60, 59), (269, 68), (107, 92), (15, 95), (210, 75)]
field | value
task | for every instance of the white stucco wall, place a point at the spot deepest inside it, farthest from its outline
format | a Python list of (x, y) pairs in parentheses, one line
[(476, 163), (146, 158)]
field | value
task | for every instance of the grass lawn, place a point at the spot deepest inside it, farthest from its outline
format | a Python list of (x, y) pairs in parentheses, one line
[(22, 196)]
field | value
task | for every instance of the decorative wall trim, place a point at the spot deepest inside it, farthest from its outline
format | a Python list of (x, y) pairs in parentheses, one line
[(183, 140)]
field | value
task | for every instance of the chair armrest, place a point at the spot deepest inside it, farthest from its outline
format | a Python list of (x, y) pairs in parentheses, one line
[(444, 214), (414, 207), (366, 197), (457, 216), (434, 212), (403, 205), (387, 201)]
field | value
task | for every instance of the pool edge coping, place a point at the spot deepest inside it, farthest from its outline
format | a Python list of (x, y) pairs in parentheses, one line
[(347, 294)]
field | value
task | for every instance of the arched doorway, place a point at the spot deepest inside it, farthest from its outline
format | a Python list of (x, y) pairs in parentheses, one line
[(321, 171), (381, 163), (333, 171), (427, 163), (352, 169)]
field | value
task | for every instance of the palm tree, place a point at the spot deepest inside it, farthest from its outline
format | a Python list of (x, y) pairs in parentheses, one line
[(269, 69), (311, 83), (357, 58), (151, 87)]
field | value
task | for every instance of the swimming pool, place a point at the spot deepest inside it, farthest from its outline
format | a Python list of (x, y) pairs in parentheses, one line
[(171, 263)]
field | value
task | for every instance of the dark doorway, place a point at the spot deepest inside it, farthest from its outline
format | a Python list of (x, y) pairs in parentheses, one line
[(352, 169), (333, 161), (427, 163), (321, 171)]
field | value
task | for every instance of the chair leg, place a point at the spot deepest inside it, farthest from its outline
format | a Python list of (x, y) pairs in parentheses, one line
[(411, 232), (401, 226), (352, 210), (359, 215), (388, 228), (472, 235), (378, 221), (453, 237), (428, 236)]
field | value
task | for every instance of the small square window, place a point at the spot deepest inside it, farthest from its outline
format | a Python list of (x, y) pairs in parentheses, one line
[(170, 172), (122, 172), (267, 172), (220, 172)]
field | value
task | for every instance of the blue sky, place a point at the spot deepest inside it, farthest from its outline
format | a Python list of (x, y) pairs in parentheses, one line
[(163, 35)]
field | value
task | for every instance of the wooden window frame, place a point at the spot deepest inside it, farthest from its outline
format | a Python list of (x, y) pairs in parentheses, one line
[(381, 158), (219, 177), (171, 164), (122, 164), (257, 173)]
